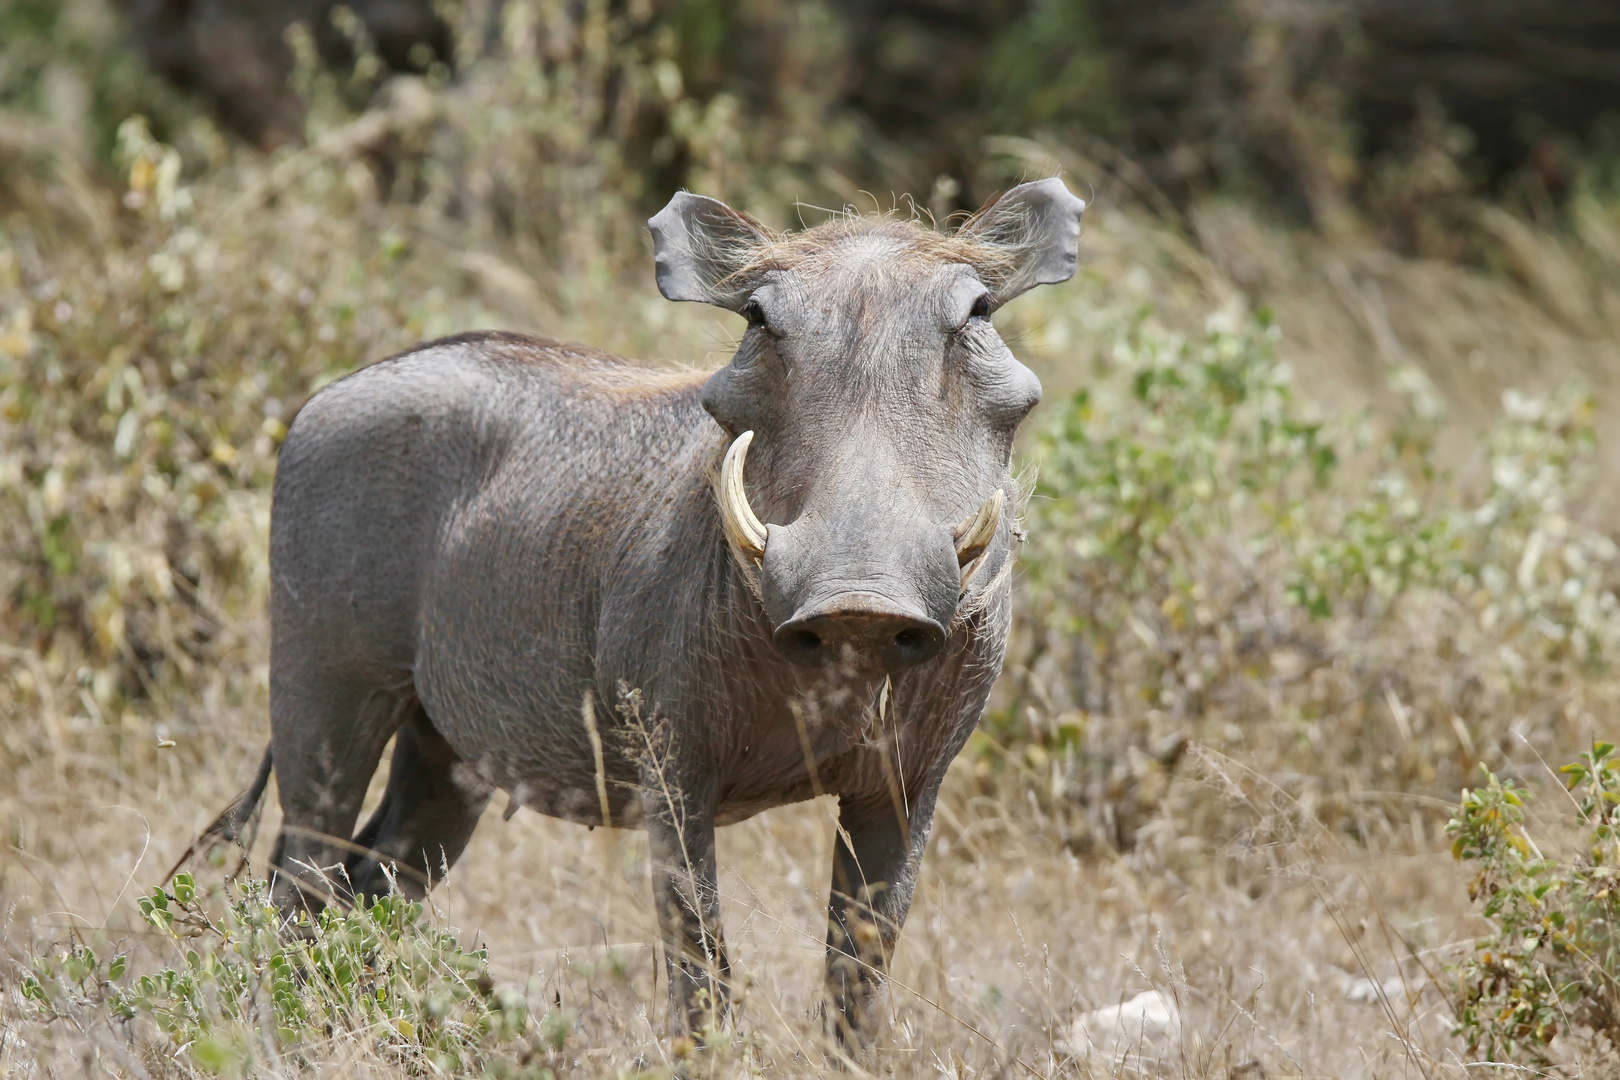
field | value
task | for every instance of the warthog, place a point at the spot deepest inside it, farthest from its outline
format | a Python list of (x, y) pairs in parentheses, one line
[(667, 600)]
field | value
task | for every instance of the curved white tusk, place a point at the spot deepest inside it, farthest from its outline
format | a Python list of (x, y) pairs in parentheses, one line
[(743, 528), (975, 534)]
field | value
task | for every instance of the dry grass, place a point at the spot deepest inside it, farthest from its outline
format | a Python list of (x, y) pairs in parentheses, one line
[(1011, 936)]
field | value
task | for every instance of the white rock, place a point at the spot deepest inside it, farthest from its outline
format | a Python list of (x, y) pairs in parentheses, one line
[(1367, 992), (1148, 1022)]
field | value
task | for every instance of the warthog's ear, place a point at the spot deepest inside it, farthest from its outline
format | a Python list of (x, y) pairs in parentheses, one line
[(698, 244), (1036, 227)]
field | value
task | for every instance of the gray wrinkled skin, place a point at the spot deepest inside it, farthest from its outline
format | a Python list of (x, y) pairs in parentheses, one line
[(481, 545)]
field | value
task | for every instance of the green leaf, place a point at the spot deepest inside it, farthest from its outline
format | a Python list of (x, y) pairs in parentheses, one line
[(216, 1054)]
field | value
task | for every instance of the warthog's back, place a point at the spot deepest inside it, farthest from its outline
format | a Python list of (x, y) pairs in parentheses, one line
[(456, 514)]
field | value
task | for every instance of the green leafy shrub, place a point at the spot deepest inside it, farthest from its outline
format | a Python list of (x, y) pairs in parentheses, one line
[(1552, 959), (250, 987), (1177, 458), (1211, 560), (1194, 436)]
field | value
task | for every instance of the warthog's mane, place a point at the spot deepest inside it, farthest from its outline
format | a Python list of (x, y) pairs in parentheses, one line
[(993, 251)]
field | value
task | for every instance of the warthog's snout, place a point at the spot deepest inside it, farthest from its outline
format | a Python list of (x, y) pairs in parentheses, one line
[(864, 632), (865, 585)]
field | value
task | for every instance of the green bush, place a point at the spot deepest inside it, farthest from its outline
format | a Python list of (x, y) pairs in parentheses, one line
[(1551, 962), (1181, 441), (1210, 560), (251, 987)]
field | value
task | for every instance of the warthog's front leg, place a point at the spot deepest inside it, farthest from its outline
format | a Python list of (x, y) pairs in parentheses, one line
[(687, 897), (874, 872)]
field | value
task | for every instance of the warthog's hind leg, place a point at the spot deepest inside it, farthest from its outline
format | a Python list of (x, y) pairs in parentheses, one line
[(425, 819), (328, 730)]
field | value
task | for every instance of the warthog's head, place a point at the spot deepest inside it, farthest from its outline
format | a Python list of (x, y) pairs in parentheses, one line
[(875, 407)]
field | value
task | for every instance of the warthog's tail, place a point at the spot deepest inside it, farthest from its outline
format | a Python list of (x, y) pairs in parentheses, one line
[(228, 826)]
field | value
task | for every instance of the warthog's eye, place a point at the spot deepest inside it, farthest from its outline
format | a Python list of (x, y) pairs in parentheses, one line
[(979, 310), (755, 315)]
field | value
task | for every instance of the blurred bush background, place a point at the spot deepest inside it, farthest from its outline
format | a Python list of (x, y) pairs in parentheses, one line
[(1322, 513)]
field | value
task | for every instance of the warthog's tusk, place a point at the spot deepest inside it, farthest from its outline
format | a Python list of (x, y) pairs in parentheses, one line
[(975, 534), (742, 526)]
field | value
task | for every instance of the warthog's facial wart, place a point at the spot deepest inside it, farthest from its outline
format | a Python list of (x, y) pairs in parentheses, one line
[(874, 407)]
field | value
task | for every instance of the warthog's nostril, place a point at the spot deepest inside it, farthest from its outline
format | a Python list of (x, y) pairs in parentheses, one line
[(863, 634), (804, 641)]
